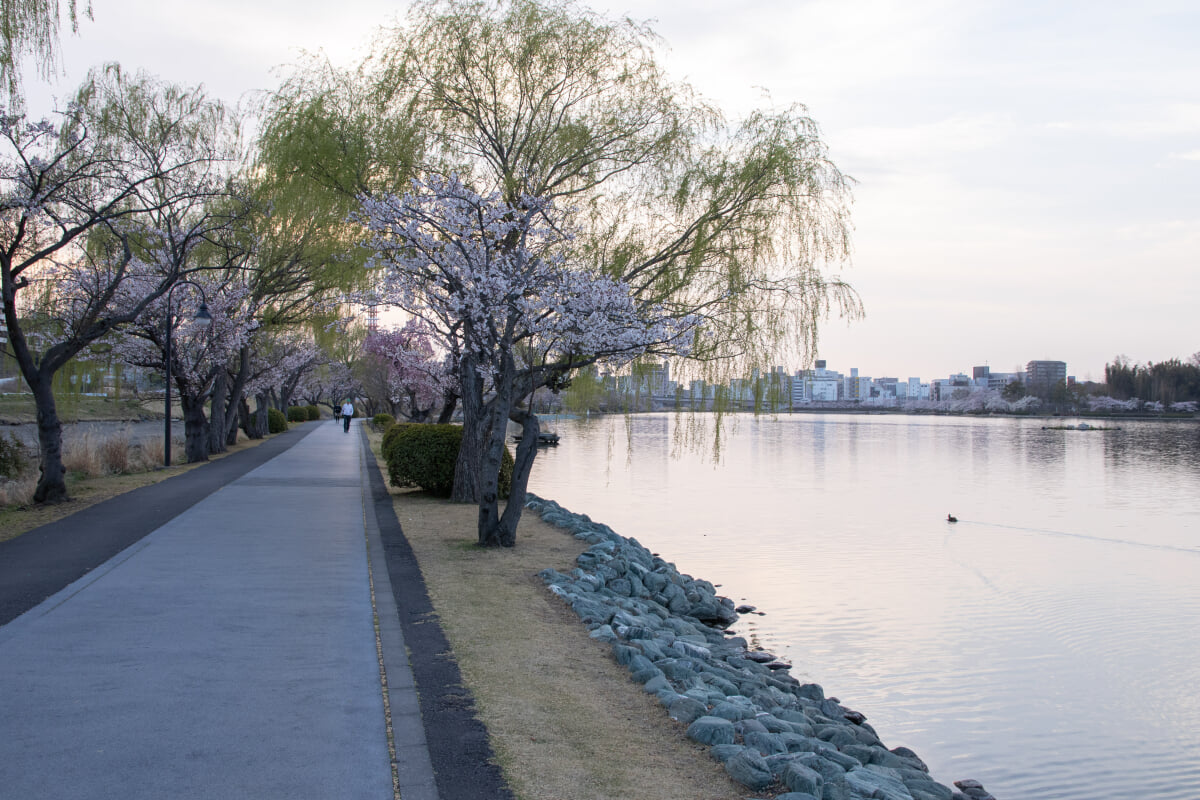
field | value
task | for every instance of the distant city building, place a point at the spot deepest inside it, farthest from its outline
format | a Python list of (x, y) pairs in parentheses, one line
[(998, 380), (857, 388), (1041, 376), (885, 387), (818, 385)]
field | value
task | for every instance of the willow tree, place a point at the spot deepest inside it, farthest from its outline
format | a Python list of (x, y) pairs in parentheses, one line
[(30, 28), (743, 225)]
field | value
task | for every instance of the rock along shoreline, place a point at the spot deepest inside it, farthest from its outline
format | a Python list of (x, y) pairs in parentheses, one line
[(772, 733)]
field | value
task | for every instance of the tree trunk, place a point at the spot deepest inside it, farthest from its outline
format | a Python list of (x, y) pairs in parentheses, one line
[(526, 453), (247, 419), (231, 428), (52, 484), (449, 403), (236, 401), (219, 427), (261, 423), (470, 453), (195, 428), (490, 534)]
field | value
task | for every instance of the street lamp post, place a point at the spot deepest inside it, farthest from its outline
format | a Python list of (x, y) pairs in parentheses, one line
[(203, 318)]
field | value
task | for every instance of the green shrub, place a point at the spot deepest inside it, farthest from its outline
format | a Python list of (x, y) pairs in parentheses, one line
[(424, 456), (276, 421), (314, 413), (297, 414), (12, 456), (389, 438), (383, 421)]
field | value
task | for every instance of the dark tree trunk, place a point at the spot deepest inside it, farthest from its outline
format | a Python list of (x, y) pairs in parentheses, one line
[(526, 453), (219, 427), (236, 400), (489, 476), (261, 423), (470, 453), (246, 419), (52, 484), (195, 428), (231, 428), (448, 405), (498, 408)]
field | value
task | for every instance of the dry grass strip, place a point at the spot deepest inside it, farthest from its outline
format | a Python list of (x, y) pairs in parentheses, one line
[(565, 720)]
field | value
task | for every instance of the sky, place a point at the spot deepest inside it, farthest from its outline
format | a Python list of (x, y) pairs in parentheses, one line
[(1027, 173)]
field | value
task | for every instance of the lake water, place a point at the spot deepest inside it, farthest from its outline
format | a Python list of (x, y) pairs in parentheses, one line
[(1047, 644)]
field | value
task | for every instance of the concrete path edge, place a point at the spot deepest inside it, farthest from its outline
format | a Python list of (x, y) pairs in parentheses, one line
[(457, 741)]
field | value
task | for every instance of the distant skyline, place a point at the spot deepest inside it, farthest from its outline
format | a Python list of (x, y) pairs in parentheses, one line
[(1028, 173)]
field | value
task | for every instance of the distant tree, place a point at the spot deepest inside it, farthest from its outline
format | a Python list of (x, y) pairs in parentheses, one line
[(418, 379), (1167, 381), (1108, 405), (1013, 391), (329, 384), (1060, 394), (1027, 405)]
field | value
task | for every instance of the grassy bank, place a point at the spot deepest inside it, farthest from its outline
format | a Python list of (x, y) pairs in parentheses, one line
[(564, 718), (16, 409)]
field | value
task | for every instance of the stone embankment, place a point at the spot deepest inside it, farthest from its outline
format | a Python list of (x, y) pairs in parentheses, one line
[(773, 733)]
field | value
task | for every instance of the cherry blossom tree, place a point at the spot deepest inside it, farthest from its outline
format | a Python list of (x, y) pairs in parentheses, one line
[(198, 355), (495, 280), (1108, 405), (418, 379), (329, 383), (289, 354), (1027, 404), (85, 203)]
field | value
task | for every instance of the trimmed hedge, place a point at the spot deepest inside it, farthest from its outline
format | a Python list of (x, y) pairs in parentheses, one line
[(424, 456), (276, 421), (314, 413), (297, 414), (383, 421)]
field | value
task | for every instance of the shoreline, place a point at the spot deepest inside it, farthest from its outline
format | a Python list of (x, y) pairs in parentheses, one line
[(771, 732), (889, 412)]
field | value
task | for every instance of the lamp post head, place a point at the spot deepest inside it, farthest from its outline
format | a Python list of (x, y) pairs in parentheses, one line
[(203, 318)]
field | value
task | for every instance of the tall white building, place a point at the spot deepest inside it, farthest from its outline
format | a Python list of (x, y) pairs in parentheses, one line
[(817, 385)]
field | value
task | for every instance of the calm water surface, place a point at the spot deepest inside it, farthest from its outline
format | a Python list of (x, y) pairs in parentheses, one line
[(1048, 644)]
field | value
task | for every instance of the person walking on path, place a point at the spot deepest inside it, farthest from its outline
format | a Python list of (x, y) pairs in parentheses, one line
[(347, 414)]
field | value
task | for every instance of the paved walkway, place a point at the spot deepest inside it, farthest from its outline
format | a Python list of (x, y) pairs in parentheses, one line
[(230, 653)]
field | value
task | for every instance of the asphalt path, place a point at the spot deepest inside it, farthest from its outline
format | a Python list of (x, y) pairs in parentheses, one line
[(231, 632)]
